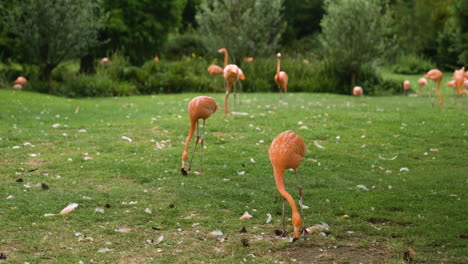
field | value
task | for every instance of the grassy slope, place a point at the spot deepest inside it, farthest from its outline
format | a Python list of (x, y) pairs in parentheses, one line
[(424, 208)]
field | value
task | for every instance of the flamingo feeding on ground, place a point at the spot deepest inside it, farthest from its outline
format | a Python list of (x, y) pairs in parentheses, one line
[(286, 152), (281, 78), (421, 81), (406, 85), (436, 76), (200, 107), (357, 91), (459, 79)]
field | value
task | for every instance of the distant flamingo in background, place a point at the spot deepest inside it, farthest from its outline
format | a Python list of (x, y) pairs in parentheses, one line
[(231, 75), (436, 76), (105, 60), (357, 91), (459, 79), (421, 81), (215, 70), (286, 152), (281, 78), (21, 80), (406, 85), (200, 107)]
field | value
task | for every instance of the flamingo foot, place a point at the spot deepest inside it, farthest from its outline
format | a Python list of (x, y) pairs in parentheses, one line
[(183, 172)]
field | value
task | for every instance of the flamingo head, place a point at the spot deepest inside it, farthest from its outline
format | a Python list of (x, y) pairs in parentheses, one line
[(434, 75), (278, 55), (296, 220), (222, 50)]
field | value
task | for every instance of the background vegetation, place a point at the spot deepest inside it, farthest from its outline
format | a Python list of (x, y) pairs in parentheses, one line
[(327, 46)]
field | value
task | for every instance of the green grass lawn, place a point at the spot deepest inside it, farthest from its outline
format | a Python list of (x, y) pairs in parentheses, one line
[(411, 156)]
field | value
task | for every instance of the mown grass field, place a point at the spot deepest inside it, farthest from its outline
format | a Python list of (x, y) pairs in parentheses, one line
[(411, 156)]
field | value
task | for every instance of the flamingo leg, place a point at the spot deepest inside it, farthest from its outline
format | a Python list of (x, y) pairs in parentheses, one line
[(281, 94), (299, 188), (282, 217), (202, 147), (235, 96), (194, 148), (240, 91)]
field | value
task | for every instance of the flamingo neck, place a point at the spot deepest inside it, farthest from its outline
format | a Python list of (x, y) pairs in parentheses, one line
[(225, 58), (278, 66), (279, 179)]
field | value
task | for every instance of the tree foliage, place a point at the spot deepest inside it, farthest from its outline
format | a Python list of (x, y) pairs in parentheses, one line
[(353, 34), (140, 27), (49, 32), (244, 27)]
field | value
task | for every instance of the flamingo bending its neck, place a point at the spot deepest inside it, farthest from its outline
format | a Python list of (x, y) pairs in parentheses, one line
[(286, 152), (200, 107)]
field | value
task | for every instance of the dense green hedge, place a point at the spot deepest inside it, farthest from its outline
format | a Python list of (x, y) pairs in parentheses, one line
[(190, 74)]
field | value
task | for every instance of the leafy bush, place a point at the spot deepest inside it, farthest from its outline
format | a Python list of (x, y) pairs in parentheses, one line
[(184, 45), (412, 64), (95, 85)]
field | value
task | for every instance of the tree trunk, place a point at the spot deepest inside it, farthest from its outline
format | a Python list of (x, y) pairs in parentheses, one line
[(353, 79), (47, 73), (87, 64)]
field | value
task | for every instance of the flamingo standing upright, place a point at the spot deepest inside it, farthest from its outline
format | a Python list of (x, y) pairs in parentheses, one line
[(436, 76), (231, 75), (281, 78), (406, 86), (357, 91), (286, 152), (421, 81), (200, 107)]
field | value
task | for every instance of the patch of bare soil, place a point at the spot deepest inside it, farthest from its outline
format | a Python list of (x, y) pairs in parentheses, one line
[(312, 253)]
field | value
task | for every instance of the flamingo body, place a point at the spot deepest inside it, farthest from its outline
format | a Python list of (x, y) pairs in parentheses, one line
[(215, 70), (459, 78), (21, 80), (357, 91), (286, 152), (200, 107)]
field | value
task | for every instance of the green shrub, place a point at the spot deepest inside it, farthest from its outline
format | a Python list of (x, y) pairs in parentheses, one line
[(184, 45), (115, 69), (95, 85), (412, 64)]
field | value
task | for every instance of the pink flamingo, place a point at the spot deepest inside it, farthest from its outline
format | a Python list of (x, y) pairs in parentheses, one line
[(357, 91), (436, 76), (459, 79), (421, 81), (406, 85), (286, 152), (200, 107), (281, 78)]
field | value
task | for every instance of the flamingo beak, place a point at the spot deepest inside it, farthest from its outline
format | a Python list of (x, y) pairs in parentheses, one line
[(183, 172)]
